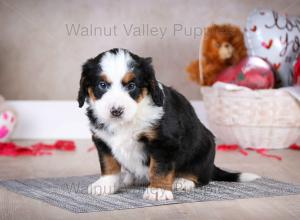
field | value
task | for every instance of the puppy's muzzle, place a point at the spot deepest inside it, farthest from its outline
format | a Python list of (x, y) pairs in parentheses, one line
[(117, 112)]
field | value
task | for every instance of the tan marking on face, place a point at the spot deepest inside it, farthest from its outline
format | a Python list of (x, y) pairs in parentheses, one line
[(103, 77), (188, 176), (143, 94), (91, 94), (111, 165), (128, 77), (157, 180)]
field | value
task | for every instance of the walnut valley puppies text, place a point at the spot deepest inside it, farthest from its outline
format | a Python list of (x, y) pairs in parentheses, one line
[(133, 30)]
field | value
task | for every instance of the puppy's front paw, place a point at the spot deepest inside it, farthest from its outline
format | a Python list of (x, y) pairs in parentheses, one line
[(157, 194), (182, 184), (105, 185)]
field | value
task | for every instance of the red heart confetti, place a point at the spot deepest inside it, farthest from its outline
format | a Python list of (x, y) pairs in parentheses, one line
[(38, 149)]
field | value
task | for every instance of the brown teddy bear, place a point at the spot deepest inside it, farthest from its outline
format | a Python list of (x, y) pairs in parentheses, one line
[(222, 46)]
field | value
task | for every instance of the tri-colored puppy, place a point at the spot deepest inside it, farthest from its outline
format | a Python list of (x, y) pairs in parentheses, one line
[(146, 128)]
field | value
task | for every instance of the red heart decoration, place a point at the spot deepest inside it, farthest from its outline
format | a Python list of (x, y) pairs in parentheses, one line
[(297, 72), (254, 28), (267, 46), (251, 72)]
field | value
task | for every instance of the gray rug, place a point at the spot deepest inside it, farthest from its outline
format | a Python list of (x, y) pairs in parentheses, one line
[(70, 193)]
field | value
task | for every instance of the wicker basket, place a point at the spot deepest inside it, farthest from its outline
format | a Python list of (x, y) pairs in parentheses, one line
[(258, 119)]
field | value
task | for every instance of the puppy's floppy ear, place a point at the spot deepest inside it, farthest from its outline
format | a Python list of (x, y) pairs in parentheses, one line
[(83, 89), (156, 93)]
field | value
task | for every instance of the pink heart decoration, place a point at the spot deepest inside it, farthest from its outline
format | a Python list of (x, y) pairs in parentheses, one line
[(5, 116), (7, 122), (277, 38), (3, 132)]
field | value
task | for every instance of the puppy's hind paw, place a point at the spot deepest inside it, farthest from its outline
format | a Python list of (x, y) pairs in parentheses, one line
[(247, 177), (182, 184)]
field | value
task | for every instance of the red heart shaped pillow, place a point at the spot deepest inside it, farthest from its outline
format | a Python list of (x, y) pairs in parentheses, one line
[(251, 72)]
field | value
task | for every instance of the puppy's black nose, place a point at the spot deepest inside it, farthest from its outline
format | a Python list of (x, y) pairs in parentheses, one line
[(116, 112)]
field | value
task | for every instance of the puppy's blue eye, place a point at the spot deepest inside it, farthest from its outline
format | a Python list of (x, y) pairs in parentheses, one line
[(103, 85), (131, 86)]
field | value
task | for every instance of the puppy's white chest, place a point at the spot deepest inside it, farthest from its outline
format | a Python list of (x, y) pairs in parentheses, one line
[(127, 149), (122, 138)]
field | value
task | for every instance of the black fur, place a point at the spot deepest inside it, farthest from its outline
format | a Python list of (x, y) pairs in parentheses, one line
[(88, 79), (182, 142), (102, 149), (145, 72)]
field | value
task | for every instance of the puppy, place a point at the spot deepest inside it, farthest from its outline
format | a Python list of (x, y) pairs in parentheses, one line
[(145, 128)]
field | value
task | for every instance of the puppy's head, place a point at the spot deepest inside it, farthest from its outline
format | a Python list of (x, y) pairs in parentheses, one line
[(116, 82)]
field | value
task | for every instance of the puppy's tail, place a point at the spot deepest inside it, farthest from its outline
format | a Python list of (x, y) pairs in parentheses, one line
[(222, 175)]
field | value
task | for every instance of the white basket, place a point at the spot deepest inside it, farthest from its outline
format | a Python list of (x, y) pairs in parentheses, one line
[(253, 118)]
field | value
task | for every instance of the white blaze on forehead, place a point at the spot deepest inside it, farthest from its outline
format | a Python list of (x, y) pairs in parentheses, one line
[(115, 66)]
